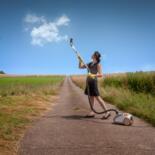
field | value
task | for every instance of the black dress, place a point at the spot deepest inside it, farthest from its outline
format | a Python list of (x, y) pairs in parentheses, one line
[(92, 82)]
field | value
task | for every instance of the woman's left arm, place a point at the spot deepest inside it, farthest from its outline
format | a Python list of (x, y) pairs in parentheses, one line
[(99, 69)]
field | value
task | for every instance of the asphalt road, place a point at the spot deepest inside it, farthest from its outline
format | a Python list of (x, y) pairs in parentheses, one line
[(64, 131)]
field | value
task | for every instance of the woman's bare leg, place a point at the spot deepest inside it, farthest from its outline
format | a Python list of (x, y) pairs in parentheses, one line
[(92, 103), (92, 100), (102, 104)]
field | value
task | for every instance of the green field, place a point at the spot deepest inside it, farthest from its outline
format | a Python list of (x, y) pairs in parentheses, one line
[(131, 92), (22, 99), (10, 86)]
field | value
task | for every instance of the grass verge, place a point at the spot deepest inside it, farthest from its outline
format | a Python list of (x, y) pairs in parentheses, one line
[(22, 100)]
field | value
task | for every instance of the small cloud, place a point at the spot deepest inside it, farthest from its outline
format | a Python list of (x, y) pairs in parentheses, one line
[(63, 20), (46, 32), (30, 18)]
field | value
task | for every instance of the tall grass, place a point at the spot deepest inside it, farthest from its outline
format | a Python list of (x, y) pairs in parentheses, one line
[(139, 82)]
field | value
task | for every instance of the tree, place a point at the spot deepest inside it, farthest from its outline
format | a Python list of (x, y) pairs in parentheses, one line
[(2, 72)]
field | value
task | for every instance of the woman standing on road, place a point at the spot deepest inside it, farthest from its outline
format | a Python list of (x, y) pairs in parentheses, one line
[(95, 73)]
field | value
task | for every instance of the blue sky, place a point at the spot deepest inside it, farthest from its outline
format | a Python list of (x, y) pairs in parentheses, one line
[(33, 33)]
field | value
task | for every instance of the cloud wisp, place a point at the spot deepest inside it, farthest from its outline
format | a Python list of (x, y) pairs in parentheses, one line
[(43, 31)]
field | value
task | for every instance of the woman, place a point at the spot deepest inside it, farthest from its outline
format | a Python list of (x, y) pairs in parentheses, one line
[(96, 72)]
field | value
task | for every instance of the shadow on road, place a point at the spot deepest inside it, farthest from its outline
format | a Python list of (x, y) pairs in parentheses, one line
[(97, 120), (93, 120), (83, 118), (75, 117)]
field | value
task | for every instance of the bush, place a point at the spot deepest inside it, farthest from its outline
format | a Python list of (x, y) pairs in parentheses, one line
[(2, 72)]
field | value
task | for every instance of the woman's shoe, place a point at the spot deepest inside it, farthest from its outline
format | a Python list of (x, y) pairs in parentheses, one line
[(90, 115), (106, 116)]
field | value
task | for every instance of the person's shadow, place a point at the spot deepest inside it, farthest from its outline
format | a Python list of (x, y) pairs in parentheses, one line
[(100, 121), (84, 118), (75, 117)]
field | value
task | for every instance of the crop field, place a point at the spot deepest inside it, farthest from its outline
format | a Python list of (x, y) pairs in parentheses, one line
[(131, 92), (22, 100)]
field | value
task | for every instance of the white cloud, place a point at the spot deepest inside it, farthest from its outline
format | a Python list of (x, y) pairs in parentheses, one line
[(63, 20), (46, 32), (30, 18)]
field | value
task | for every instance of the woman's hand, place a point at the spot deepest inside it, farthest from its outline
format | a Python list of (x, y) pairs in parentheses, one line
[(79, 58), (81, 65), (99, 75)]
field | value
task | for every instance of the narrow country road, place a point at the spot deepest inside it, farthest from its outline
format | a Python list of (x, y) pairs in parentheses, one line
[(64, 131)]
